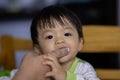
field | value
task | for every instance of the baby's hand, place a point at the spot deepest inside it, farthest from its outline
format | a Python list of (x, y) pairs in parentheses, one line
[(51, 59), (57, 71)]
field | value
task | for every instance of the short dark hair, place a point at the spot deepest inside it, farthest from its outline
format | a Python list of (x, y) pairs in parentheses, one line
[(43, 19)]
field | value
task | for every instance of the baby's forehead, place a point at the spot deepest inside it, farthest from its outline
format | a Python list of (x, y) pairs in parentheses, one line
[(54, 22), (59, 27), (55, 27)]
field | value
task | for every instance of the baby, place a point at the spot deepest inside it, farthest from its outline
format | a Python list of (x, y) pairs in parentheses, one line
[(57, 37)]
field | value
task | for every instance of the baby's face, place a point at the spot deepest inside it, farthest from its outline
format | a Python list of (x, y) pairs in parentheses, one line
[(52, 39)]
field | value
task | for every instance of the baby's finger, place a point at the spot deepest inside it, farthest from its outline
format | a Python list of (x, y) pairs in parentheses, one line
[(52, 58), (51, 64), (49, 74)]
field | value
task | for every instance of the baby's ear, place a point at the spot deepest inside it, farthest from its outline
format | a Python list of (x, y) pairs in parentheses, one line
[(81, 44), (37, 49)]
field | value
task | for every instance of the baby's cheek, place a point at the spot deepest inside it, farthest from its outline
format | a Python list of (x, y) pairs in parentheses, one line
[(74, 47), (46, 48)]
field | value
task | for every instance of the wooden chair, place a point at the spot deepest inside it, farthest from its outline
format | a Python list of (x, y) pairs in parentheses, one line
[(98, 38), (9, 45)]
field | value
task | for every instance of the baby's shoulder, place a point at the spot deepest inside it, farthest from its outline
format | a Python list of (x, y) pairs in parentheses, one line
[(82, 64)]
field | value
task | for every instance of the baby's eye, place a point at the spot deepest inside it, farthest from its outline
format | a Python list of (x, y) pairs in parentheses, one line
[(49, 37), (67, 34)]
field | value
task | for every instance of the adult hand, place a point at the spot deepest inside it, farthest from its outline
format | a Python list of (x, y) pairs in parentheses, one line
[(32, 68)]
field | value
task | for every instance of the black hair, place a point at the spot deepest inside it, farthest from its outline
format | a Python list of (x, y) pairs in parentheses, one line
[(58, 13)]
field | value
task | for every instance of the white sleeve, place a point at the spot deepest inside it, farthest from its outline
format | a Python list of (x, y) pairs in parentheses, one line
[(85, 71), (5, 78), (12, 73)]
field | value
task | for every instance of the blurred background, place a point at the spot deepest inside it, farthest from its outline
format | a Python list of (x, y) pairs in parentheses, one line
[(16, 15)]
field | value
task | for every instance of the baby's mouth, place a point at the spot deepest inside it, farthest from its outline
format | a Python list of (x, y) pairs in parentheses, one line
[(61, 52)]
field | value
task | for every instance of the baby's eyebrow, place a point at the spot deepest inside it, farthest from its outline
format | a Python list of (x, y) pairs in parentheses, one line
[(70, 28), (46, 31)]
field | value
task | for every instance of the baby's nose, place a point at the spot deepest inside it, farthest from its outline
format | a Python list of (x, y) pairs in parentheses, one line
[(59, 41)]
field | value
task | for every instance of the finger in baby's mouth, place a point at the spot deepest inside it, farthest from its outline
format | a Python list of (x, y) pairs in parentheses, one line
[(61, 52)]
